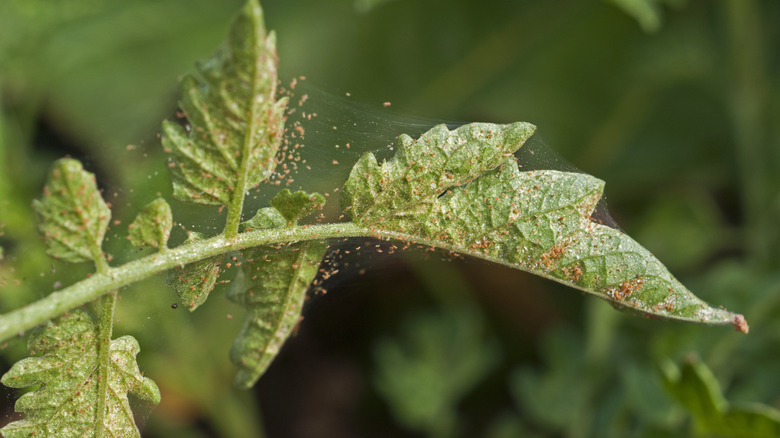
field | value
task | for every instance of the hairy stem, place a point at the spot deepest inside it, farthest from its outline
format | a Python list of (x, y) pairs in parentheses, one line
[(107, 308), (104, 358), (27, 317), (237, 201)]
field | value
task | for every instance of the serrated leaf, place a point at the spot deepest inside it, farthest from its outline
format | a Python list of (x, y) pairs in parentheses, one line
[(696, 388), (65, 365), (425, 371), (294, 206), (271, 285), (194, 282), (458, 190), (152, 226), (73, 216), (235, 123), (264, 218), (422, 169)]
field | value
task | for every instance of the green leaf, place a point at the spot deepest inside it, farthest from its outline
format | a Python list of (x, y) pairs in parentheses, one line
[(265, 218), (65, 365), (294, 206), (73, 216), (194, 282), (696, 388), (235, 123), (437, 359), (462, 190), (422, 169), (152, 226), (271, 285)]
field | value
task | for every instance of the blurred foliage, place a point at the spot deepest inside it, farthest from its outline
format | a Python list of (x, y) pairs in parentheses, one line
[(673, 103), (437, 359), (695, 387)]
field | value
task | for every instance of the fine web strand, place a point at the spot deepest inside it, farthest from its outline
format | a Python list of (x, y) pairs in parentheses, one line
[(327, 133)]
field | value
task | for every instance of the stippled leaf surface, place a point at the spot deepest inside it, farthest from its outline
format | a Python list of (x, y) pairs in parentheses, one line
[(152, 226), (193, 282), (462, 190), (65, 365), (73, 216), (295, 205), (271, 285), (234, 121), (422, 169), (695, 387)]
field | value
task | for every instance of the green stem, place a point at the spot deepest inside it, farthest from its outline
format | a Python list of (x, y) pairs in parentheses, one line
[(107, 308), (749, 90), (104, 359), (100, 283), (25, 318), (237, 201)]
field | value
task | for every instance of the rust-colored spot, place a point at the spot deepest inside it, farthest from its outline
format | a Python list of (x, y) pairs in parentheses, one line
[(740, 324)]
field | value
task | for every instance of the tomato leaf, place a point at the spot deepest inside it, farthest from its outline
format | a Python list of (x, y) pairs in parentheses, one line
[(65, 368), (462, 190), (73, 216)]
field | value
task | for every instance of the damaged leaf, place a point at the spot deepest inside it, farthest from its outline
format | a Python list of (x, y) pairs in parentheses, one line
[(234, 121), (462, 190), (271, 284), (194, 282), (152, 226), (294, 206), (73, 216), (65, 368)]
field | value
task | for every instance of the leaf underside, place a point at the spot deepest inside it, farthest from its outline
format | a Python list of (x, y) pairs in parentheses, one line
[(194, 282), (65, 365), (73, 216), (235, 123), (271, 285), (462, 190)]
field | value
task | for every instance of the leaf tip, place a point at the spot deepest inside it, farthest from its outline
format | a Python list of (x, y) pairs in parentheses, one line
[(740, 324)]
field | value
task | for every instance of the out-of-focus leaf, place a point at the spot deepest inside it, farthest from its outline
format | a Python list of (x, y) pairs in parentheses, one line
[(152, 226), (558, 398), (65, 368), (435, 362), (194, 282), (462, 190), (234, 122), (646, 12), (696, 388), (684, 229), (365, 6), (73, 215)]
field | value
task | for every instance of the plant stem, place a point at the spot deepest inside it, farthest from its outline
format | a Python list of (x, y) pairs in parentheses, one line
[(237, 201), (104, 359), (100, 283), (106, 326), (25, 318), (749, 90)]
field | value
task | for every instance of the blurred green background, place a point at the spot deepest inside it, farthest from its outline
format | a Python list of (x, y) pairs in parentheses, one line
[(673, 103)]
